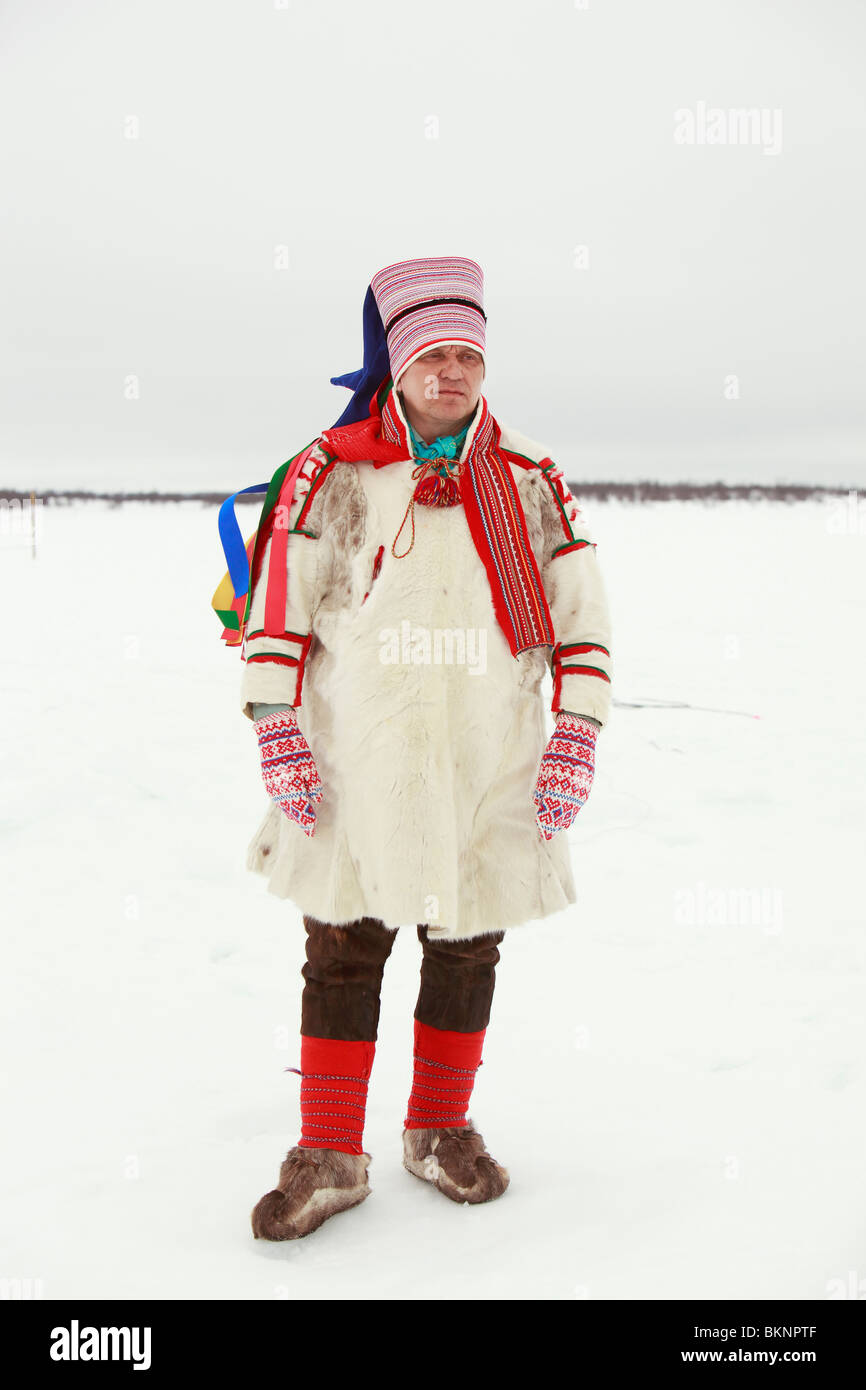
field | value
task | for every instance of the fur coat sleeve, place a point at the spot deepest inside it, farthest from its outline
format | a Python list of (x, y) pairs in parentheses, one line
[(580, 660), (274, 666)]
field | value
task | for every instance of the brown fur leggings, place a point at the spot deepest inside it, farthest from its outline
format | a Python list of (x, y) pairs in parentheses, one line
[(343, 979)]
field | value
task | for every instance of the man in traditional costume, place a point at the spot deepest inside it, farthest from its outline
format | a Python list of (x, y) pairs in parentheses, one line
[(417, 570)]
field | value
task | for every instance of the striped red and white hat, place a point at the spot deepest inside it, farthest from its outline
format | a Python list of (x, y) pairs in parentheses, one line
[(436, 299)]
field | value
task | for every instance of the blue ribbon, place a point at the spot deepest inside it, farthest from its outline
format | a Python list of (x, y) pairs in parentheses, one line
[(233, 542)]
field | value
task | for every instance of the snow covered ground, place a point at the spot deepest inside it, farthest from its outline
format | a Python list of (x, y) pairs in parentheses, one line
[(678, 1090)]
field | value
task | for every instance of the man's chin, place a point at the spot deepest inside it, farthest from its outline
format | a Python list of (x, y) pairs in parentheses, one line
[(450, 419)]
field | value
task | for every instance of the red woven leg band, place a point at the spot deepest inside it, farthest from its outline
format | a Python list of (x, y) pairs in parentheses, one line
[(445, 1064), (334, 1077)]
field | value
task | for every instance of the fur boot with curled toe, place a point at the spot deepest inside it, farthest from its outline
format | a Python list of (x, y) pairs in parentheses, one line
[(313, 1185), (456, 1161)]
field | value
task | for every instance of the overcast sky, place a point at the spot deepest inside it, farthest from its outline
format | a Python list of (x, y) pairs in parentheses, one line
[(196, 194)]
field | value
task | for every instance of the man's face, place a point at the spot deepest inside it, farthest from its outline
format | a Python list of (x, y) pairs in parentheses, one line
[(443, 385)]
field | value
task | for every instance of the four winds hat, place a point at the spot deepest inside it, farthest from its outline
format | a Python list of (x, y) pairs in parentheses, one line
[(425, 302), (410, 307)]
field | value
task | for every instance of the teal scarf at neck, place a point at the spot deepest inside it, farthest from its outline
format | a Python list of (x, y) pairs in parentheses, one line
[(445, 446)]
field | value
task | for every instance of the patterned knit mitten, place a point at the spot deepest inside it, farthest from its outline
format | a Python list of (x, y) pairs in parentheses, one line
[(566, 773), (288, 767)]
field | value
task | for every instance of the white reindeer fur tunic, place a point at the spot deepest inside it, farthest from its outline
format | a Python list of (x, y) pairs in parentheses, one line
[(427, 764)]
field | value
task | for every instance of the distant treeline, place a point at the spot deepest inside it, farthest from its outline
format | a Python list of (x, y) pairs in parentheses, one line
[(643, 491)]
